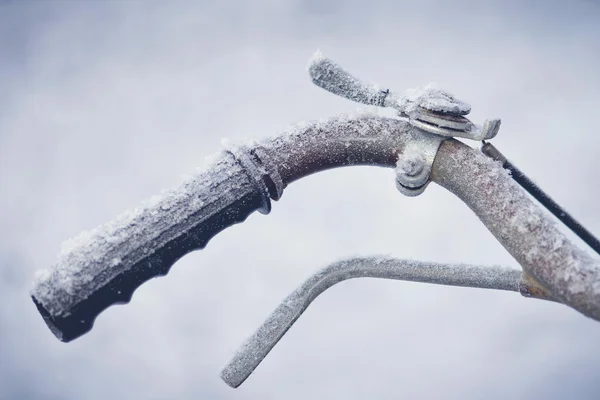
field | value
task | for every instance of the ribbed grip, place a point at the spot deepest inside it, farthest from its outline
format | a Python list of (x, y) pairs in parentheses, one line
[(106, 265)]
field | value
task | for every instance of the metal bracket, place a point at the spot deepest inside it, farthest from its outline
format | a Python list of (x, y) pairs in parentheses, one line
[(435, 114), (430, 130), (449, 125), (415, 162)]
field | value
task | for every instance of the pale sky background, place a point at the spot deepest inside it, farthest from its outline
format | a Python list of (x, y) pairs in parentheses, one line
[(103, 104)]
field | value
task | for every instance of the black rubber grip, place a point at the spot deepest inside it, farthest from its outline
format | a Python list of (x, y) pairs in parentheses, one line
[(109, 263)]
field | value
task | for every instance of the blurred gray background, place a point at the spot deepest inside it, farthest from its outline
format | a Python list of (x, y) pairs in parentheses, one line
[(103, 104)]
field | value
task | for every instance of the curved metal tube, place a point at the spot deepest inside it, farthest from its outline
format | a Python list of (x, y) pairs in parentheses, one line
[(256, 348), (106, 265), (525, 230), (335, 142), (566, 272), (518, 223)]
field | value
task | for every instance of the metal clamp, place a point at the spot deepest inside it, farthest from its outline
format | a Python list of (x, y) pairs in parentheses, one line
[(449, 125), (261, 171), (415, 162), (435, 114), (431, 129)]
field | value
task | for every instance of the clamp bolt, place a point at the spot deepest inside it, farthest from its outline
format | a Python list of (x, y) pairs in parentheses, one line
[(411, 164)]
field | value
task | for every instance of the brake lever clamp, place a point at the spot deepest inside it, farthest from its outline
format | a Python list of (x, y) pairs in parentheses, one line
[(438, 112), (434, 114)]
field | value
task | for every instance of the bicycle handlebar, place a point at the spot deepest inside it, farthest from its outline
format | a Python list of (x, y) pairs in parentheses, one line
[(554, 269), (569, 273), (106, 265)]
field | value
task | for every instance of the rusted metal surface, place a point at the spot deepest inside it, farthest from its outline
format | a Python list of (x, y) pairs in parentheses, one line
[(567, 272), (336, 142), (529, 287), (560, 270)]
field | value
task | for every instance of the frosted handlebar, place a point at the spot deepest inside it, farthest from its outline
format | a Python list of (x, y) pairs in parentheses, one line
[(105, 266)]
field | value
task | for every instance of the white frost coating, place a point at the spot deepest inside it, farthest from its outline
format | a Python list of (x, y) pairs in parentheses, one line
[(102, 253), (411, 163), (93, 258), (316, 58), (330, 76), (256, 348), (522, 227), (363, 124), (431, 98), (348, 139)]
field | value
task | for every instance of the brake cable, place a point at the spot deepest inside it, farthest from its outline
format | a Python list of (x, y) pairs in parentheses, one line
[(542, 197)]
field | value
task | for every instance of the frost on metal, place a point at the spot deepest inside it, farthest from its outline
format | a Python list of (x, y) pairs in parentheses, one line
[(333, 78), (93, 258), (349, 139), (431, 98), (521, 226), (256, 348)]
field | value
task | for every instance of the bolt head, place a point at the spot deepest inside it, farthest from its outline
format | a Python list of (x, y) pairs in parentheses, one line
[(411, 164)]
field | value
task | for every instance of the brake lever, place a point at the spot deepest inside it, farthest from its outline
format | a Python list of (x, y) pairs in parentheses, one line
[(429, 109), (261, 342)]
